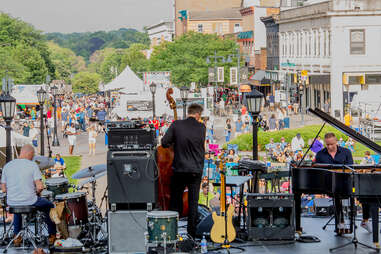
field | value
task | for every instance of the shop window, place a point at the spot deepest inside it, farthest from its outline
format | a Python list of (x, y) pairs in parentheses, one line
[(372, 79)]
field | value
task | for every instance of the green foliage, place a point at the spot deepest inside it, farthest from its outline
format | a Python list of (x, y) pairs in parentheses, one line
[(245, 141), (23, 51), (85, 44), (73, 164), (186, 57), (66, 62), (86, 82), (134, 57)]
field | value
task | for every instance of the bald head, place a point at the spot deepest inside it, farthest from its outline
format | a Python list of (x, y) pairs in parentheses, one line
[(27, 152)]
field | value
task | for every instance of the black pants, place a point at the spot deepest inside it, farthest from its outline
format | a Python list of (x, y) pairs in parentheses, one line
[(178, 183)]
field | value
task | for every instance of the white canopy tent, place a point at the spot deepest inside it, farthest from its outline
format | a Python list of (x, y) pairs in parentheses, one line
[(128, 81), (26, 94), (16, 140)]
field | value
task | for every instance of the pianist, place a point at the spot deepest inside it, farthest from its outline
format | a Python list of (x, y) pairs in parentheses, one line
[(335, 154)]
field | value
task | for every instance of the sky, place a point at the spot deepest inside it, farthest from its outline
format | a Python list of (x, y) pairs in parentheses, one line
[(67, 16)]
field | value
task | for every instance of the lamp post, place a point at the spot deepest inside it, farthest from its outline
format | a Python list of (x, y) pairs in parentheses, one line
[(184, 91), (152, 88), (254, 102), (41, 96), (208, 61), (8, 105), (54, 91), (238, 55)]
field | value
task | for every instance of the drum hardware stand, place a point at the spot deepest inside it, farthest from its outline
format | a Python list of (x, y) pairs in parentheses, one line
[(354, 240)]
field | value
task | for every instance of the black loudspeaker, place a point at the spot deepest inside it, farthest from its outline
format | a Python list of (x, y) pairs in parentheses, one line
[(204, 222), (126, 231), (323, 206), (132, 179), (270, 217)]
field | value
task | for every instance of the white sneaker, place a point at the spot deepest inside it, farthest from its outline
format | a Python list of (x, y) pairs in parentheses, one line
[(366, 226)]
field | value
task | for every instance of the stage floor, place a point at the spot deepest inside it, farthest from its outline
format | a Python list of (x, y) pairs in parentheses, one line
[(312, 226)]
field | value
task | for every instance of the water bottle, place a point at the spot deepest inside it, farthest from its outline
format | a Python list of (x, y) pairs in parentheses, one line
[(204, 245)]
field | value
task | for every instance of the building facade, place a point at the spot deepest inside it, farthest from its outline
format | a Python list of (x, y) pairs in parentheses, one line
[(252, 39), (329, 49), (162, 31), (220, 22), (183, 7)]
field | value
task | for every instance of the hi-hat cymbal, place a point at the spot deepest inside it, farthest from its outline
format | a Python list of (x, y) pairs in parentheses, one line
[(44, 162), (91, 171)]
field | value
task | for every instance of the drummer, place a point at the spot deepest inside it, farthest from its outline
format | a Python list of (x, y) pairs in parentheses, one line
[(21, 180)]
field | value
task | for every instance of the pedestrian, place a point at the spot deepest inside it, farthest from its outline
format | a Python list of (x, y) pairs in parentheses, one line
[(297, 143), (92, 139), (33, 134), (272, 123), (25, 129), (228, 130), (238, 127), (72, 137)]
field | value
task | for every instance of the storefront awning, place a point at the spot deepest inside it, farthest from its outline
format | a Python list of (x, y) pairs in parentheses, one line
[(245, 89)]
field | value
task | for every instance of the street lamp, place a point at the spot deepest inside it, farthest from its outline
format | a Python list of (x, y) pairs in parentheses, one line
[(41, 96), (184, 91), (152, 88), (8, 105), (254, 102), (54, 91)]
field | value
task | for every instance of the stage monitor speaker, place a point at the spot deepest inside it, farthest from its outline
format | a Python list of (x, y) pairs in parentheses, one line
[(126, 231), (270, 216), (323, 206), (132, 178)]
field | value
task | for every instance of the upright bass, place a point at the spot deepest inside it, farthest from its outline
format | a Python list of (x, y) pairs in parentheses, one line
[(164, 158)]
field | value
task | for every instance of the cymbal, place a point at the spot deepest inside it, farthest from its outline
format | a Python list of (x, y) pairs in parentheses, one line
[(91, 179), (91, 171), (44, 162)]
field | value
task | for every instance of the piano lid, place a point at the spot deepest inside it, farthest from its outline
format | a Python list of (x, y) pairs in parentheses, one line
[(347, 130)]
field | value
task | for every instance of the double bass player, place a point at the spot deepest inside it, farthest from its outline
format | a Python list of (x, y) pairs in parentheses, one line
[(188, 139)]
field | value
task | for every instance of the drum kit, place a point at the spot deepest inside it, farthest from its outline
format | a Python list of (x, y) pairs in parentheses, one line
[(84, 219)]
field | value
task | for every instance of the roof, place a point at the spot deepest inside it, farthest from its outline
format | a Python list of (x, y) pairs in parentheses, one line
[(245, 35), (232, 13), (259, 75)]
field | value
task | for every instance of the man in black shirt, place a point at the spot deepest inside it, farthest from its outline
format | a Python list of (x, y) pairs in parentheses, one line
[(334, 154), (188, 139)]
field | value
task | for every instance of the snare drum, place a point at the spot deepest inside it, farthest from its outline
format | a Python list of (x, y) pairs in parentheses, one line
[(57, 185), (47, 194), (77, 204), (162, 226)]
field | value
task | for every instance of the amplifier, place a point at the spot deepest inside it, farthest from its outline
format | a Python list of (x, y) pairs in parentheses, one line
[(124, 125), (131, 139), (132, 178), (270, 216), (126, 231)]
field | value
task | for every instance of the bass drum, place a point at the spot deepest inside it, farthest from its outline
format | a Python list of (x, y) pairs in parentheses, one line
[(77, 204), (204, 221)]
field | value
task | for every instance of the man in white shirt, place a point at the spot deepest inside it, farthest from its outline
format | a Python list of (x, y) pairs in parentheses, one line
[(21, 180), (297, 143)]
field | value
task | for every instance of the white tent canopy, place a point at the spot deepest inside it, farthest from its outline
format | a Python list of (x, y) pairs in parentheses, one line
[(128, 81), (16, 138), (25, 94)]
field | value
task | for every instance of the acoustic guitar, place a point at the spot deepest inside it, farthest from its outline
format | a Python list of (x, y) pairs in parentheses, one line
[(223, 230)]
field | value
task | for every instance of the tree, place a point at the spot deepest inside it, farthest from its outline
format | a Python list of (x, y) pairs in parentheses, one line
[(86, 82), (17, 34), (186, 57), (66, 62), (134, 57)]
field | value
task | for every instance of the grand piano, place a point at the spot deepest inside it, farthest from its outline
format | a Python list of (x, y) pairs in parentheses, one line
[(338, 180)]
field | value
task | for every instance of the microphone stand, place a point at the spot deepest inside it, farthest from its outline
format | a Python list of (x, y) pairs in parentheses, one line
[(354, 240)]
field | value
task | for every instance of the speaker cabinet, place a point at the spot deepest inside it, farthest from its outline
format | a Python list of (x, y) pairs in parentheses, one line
[(270, 217), (126, 231), (132, 178)]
